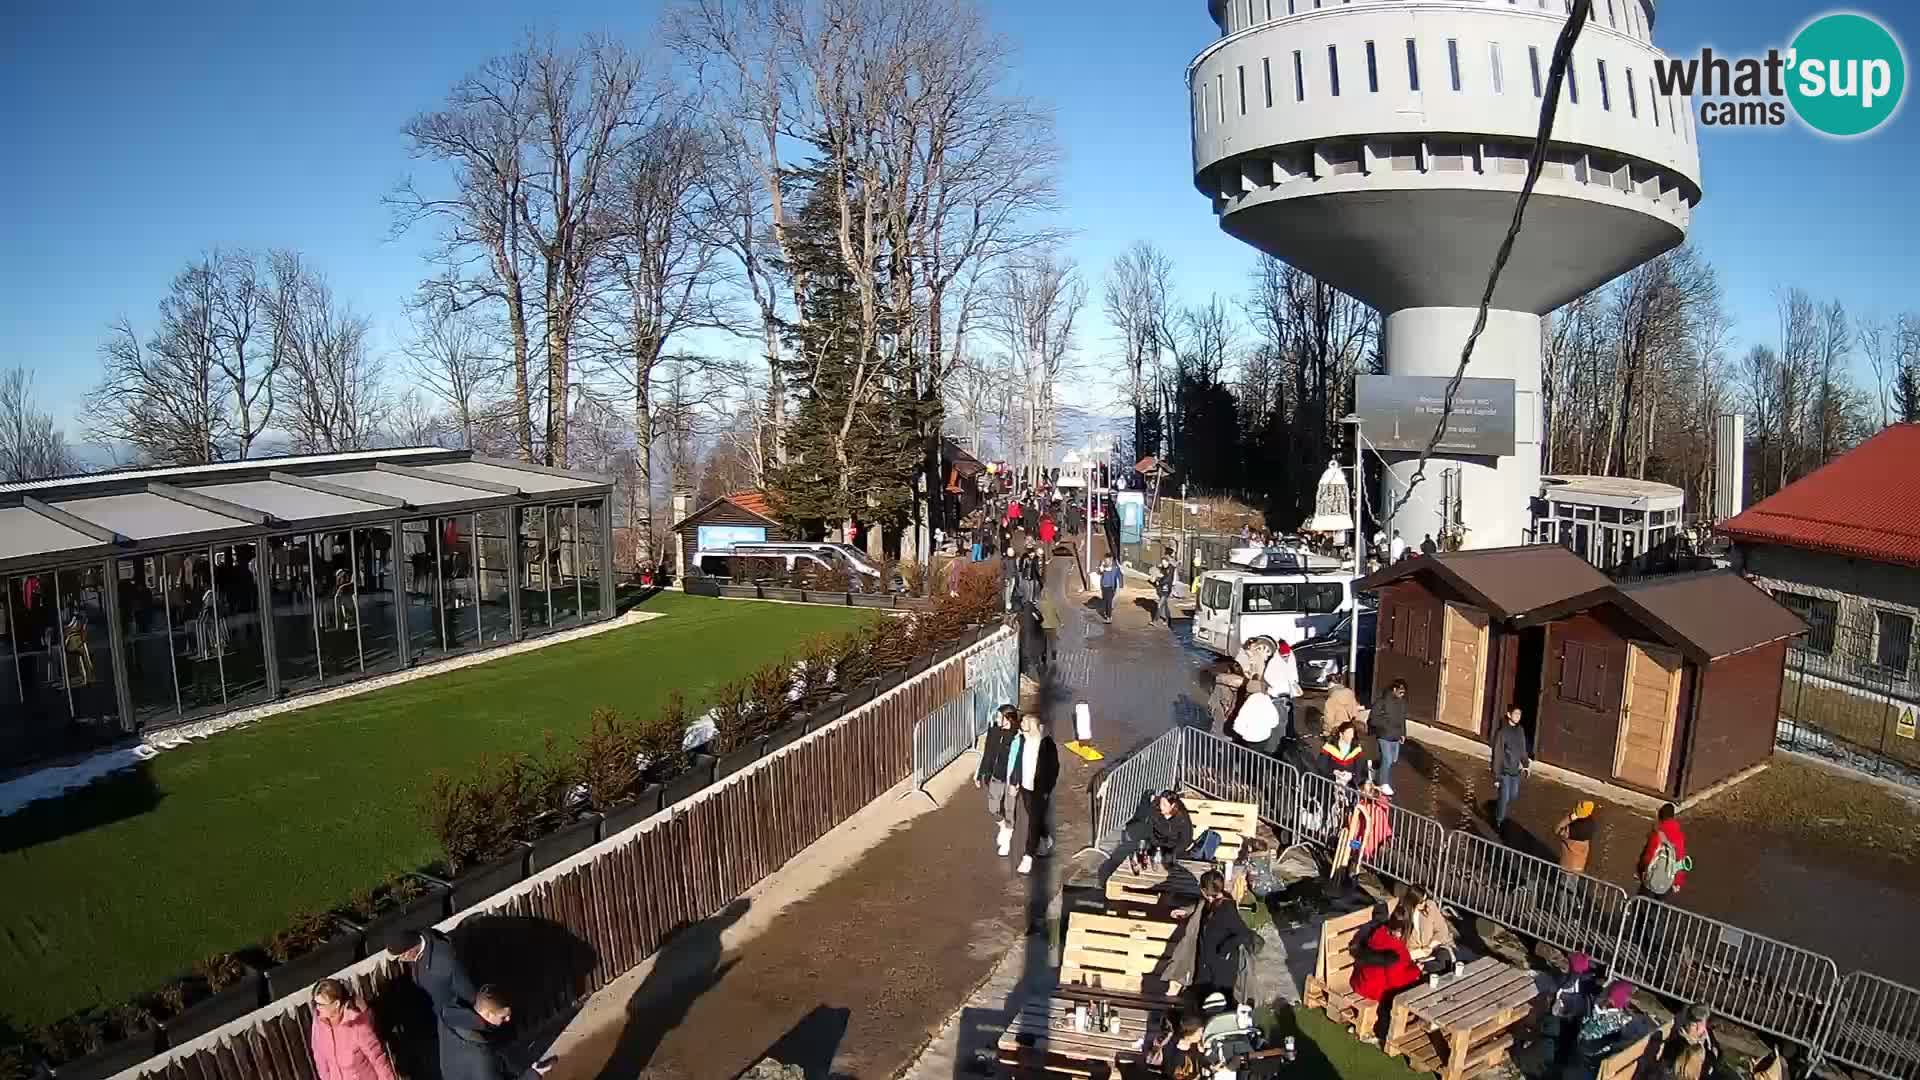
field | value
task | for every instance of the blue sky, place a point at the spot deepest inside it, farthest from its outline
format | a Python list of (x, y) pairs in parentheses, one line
[(144, 137)]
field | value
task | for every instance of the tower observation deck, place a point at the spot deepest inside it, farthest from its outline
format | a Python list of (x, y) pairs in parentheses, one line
[(1380, 144)]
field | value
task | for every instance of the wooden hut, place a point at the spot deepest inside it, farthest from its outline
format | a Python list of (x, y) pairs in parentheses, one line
[(1666, 686), (741, 516), (1445, 625)]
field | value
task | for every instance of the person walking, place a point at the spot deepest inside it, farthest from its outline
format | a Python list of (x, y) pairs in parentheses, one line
[(995, 767), (1257, 724), (1049, 531), (1428, 546), (1282, 679), (1396, 547), (1576, 832), (473, 1041), (1163, 576), (1341, 706), (1110, 577), (1663, 864), (1389, 723), (1510, 763), (1009, 578), (1049, 629), (1036, 770), (344, 1044), (437, 969)]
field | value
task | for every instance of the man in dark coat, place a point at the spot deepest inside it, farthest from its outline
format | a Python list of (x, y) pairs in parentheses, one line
[(1510, 763), (993, 772), (473, 1038), (1221, 935), (1035, 770), (437, 970), (1389, 723)]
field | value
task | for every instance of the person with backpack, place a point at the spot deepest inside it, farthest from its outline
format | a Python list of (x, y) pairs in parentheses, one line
[(1664, 864)]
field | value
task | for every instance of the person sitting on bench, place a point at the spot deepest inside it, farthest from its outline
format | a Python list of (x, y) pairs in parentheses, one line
[(1383, 966), (1164, 833)]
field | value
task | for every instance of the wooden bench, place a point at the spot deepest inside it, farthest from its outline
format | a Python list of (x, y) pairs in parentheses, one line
[(1137, 958), (1042, 1042), (1148, 893), (1330, 987), (1234, 822), (1635, 1058)]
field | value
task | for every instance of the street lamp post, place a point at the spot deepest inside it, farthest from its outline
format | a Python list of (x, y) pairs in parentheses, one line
[(1359, 533)]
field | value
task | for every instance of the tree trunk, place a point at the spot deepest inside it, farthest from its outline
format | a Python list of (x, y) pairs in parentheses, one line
[(643, 467), (557, 386), (522, 396)]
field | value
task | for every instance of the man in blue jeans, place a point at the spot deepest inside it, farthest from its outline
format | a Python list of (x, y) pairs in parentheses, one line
[(1510, 763), (1389, 723)]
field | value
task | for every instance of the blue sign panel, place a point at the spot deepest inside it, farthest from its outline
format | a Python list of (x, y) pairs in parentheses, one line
[(722, 537), (1132, 508)]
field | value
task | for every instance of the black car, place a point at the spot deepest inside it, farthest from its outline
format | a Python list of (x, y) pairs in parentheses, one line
[(1325, 654)]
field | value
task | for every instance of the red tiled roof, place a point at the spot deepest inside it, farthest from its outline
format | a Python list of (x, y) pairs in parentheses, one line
[(1864, 504), (751, 501)]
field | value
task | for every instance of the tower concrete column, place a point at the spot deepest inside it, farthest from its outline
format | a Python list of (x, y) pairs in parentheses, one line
[(1494, 491)]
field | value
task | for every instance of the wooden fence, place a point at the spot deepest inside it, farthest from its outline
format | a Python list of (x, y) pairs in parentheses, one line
[(572, 929)]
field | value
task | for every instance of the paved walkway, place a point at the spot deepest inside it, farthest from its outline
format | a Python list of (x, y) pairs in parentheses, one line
[(849, 958)]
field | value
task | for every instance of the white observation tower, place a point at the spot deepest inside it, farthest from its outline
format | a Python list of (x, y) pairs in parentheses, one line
[(1380, 144)]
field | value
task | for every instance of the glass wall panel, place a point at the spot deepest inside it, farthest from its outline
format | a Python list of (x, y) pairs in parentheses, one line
[(536, 611), (86, 647), (459, 613), (419, 567), (333, 588), (39, 726), (13, 740), (237, 608), (148, 628), (374, 603), (493, 576), (587, 517), (199, 654), (292, 585), (565, 557)]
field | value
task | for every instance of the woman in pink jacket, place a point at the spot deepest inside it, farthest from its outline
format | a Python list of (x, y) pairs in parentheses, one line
[(344, 1044)]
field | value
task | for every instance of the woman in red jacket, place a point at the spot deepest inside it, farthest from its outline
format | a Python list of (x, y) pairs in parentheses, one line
[(1385, 967)]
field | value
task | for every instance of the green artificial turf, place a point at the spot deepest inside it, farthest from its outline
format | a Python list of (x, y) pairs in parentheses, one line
[(112, 890), (1327, 1051)]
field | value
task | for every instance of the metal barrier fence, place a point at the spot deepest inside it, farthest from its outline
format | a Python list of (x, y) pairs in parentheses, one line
[(1876, 1027), (1222, 769), (1154, 768), (1415, 852), (1532, 895), (940, 737), (1767, 985)]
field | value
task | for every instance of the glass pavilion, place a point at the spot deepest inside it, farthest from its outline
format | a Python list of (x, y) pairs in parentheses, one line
[(136, 600)]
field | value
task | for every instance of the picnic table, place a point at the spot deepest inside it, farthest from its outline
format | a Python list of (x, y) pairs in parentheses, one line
[(1044, 1031), (1463, 1023), (1157, 885)]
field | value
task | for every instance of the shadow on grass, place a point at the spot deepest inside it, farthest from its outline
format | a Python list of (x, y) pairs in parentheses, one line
[(114, 797), (630, 597)]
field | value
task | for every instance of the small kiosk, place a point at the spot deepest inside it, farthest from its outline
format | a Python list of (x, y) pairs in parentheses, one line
[(1624, 527)]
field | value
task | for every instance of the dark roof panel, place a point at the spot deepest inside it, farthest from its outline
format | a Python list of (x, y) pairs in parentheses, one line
[(1719, 612), (1511, 581)]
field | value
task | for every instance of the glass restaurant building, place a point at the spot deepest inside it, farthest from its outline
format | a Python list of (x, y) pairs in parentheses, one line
[(135, 600)]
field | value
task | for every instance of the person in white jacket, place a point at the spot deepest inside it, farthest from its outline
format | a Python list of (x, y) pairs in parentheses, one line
[(1257, 725), (1282, 679)]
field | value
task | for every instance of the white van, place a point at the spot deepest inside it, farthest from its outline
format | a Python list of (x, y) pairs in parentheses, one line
[(1236, 605), (771, 557)]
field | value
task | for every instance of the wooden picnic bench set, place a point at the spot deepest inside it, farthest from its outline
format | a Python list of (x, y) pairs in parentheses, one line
[(1457, 1025), (1129, 960)]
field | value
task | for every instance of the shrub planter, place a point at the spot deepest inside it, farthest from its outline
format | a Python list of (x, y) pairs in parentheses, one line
[(111, 1058), (486, 879), (628, 814), (221, 1007), (872, 600), (684, 786), (733, 762), (738, 592), (919, 664), (315, 964), (774, 592), (890, 680), (569, 839), (700, 586), (789, 733), (396, 926)]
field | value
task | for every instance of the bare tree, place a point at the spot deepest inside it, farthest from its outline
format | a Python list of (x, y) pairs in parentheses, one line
[(31, 445), (165, 397), (1877, 341), (450, 358), (1033, 313), (329, 381), (1137, 306), (240, 314), (1833, 340), (415, 420)]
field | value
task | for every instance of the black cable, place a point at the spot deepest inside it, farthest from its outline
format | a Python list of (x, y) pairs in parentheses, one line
[(1556, 74)]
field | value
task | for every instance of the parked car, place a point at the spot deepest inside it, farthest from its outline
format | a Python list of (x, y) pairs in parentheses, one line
[(1233, 606), (1321, 655), (769, 559)]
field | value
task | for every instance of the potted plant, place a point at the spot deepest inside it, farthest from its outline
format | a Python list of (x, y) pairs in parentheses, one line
[(221, 989), (310, 948), (479, 822), (393, 911), (99, 1044), (739, 726), (692, 779), (562, 820)]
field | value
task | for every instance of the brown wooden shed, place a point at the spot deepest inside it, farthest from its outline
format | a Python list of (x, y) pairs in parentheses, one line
[(741, 515), (1445, 625), (1667, 685)]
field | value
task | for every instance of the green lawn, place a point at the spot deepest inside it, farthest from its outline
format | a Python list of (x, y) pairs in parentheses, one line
[(114, 889), (1327, 1051)]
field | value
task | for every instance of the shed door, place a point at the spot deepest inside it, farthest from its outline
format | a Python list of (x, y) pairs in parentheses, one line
[(1644, 750), (1463, 668)]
